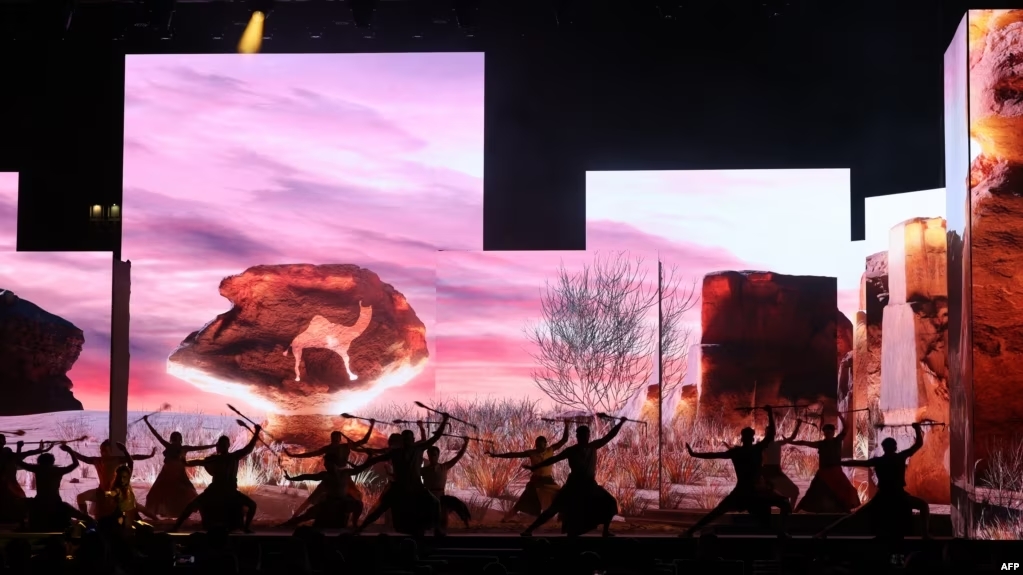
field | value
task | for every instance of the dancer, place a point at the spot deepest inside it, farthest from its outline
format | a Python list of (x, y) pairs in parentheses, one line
[(889, 506), (106, 467), (413, 507), (830, 491), (336, 504), (12, 496), (582, 503), (47, 511), (221, 502), (340, 449), (127, 509), (772, 471), (435, 479), (172, 490), (541, 489), (751, 493)]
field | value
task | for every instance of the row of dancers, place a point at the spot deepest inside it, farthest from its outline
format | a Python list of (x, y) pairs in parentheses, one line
[(415, 496)]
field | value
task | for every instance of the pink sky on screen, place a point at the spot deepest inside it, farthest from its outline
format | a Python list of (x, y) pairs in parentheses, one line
[(485, 301), (8, 211), (232, 161), (787, 221)]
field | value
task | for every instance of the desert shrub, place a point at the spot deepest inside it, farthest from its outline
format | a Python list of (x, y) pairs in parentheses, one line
[(630, 503), (72, 428), (1000, 528), (799, 463), (1003, 474), (490, 477), (708, 497), (671, 498), (478, 507), (681, 469)]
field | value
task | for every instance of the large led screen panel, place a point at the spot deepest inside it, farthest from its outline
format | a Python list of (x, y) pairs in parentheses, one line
[(55, 312), (282, 214)]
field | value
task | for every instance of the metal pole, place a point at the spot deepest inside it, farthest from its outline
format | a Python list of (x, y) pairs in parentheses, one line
[(660, 385)]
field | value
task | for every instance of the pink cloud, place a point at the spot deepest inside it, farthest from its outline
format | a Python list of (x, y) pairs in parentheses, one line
[(375, 160)]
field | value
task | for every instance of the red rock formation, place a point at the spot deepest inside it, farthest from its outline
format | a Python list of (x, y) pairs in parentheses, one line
[(326, 322), (769, 338), (37, 350), (914, 368), (313, 431), (996, 232), (684, 404)]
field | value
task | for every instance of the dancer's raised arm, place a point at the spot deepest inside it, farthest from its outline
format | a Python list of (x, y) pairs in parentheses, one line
[(78, 456), (564, 439), (511, 454), (245, 451), (67, 468), (551, 460), (791, 440), (461, 452), (135, 456), (610, 434), (314, 453), (155, 433), (365, 438), (43, 448), (917, 443), (845, 428), (436, 434), (711, 455), (771, 428)]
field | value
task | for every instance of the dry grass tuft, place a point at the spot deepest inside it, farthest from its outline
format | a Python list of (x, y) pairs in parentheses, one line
[(799, 463), (478, 507), (708, 497)]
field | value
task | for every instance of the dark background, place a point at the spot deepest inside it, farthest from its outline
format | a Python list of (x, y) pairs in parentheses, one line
[(570, 87)]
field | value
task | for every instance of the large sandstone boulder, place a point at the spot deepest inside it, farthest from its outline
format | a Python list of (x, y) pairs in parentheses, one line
[(37, 350), (914, 365), (867, 352), (769, 338), (305, 340)]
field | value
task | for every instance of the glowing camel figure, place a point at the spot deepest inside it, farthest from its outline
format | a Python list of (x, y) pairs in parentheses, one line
[(325, 334)]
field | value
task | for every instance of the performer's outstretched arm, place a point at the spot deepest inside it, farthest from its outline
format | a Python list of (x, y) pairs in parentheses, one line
[(195, 462), (136, 456), (771, 428), (43, 448), (190, 448), (155, 433), (314, 453), (510, 454), (365, 438), (307, 476), (245, 451), (564, 439), (791, 440), (551, 460), (917, 443), (461, 452), (714, 455), (610, 435), (83, 458), (859, 462), (845, 427), (423, 436), (68, 468), (436, 434)]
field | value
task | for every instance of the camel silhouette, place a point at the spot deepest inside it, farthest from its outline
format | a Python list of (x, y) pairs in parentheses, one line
[(325, 334)]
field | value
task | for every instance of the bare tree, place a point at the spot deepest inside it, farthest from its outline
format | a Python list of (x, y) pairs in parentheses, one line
[(677, 299), (595, 345)]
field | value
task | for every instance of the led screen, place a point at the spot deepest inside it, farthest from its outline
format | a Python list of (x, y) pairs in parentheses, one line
[(282, 214), (54, 346)]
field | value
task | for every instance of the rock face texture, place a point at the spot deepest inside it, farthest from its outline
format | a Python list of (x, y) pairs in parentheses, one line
[(769, 338), (313, 431), (867, 353), (305, 340), (996, 233), (680, 403), (37, 350), (914, 358)]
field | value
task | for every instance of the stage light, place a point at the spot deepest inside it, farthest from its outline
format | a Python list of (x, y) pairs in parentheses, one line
[(362, 12), (114, 213), (96, 213), (252, 37)]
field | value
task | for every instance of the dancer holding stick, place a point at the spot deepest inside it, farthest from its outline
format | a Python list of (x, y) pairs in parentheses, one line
[(888, 507), (172, 490), (12, 496), (583, 503), (336, 453), (830, 491), (435, 479), (106, 471), (751, 493), (541, 488), (47, 511), (333, 508), (221, 499), (451, 417)]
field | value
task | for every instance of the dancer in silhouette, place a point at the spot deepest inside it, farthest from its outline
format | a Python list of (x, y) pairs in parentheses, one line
[(413, 508), (172, 491), (336, 504), (582, 503), (47, 511), (435, 479), (888, 509), (12, 496), (127, 508), (220, 504), (772, 472), (830, 491), (340, 450), (541, 489), (751, 493), (106, 468)]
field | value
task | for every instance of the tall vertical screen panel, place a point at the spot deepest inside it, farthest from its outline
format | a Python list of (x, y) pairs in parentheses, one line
[(991, 311), (282, 214)]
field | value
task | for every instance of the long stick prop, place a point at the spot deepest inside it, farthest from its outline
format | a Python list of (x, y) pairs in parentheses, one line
[(451, 417), (246, 418), (479, 439), (366, 419), (607, 416), (921, 424), (253, 431), (404, 422), (576, 420), (772, 407), (16, 433), (162, 409)]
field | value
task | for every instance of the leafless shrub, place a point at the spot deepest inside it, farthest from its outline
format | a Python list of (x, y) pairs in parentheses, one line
[(708, 497), (799, 463), (478, 507)]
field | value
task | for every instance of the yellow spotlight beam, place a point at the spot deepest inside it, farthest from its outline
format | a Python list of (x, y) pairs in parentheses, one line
[(252, 37)]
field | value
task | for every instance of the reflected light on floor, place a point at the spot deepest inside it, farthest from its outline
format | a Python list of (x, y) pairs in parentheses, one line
[(252, 37)]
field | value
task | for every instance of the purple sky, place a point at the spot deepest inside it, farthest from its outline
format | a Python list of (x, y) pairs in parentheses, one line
[(72, 285), (232, 161)]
